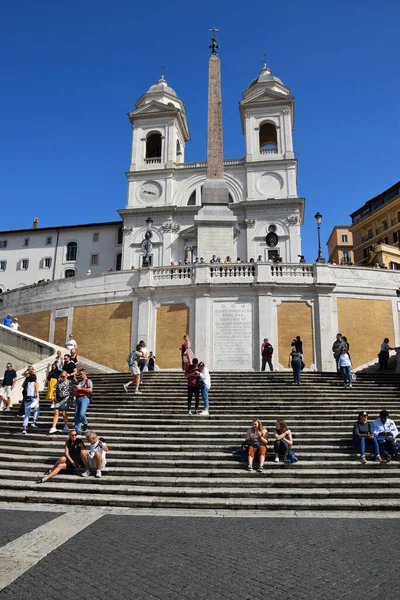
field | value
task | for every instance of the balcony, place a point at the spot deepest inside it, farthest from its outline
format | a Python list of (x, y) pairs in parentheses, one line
[(156, 160), (367, 237), (202, 164), (268, 151), (396, 220), (382, 229)]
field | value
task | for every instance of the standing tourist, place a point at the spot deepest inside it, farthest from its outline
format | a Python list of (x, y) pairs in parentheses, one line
[(70, 367), (133, 362), (256, 440), (283, 440), (337, 348), (383, 355), (186, 352), (59, 360), (14, 325), (8, 384), (61, 403), (298, 344), (385, 431), (152, 362), (7, 320), (83, 392), (143, 359), (266, 355), (52, 379), (30, 392), (192, 375), (296, 362), (205, 387), (344, 364), (363, 436), (70, 344), (74, 357)]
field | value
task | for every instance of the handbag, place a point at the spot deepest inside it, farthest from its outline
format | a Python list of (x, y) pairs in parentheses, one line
[(354, 376), (291, 458)]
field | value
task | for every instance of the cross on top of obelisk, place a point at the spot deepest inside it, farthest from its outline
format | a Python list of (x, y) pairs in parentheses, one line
[(264, 60), (214, 46)]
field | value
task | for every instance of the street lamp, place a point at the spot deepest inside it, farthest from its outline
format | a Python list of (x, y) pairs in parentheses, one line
[(146, 246), (318, 220)]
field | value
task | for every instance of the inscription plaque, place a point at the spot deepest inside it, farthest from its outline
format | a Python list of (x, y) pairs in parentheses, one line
[(233, 336)]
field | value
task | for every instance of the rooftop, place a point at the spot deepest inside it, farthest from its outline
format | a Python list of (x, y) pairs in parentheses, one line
[(56, 227)]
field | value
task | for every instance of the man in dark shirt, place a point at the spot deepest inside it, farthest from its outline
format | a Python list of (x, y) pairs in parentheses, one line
[(9, 380), (362, 435)]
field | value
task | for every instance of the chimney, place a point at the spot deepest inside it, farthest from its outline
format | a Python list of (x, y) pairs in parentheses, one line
[(35, 223)]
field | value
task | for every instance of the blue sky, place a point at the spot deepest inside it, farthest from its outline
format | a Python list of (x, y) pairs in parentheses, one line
[(71, 71)]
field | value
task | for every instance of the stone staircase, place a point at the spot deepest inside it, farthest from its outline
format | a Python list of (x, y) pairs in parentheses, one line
[(161, 457)]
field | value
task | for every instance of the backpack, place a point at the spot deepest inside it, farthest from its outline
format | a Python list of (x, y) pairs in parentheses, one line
[(129, 360), (268, 349), (291, 458)]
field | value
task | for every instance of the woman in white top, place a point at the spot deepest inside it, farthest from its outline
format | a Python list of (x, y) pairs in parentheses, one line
[(30, 393), (15, 325), (344, 364), (383, 355)]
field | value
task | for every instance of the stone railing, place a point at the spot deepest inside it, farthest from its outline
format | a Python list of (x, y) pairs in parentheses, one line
[(202, 164), (292, 270), (174, 273), (152, 161), (233, 271), (268, 151)]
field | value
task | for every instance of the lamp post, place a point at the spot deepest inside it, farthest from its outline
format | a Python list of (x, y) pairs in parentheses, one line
[(318, 220), (146, 246)]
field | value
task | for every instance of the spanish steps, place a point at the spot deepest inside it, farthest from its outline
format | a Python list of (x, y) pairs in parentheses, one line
[(162, 457)]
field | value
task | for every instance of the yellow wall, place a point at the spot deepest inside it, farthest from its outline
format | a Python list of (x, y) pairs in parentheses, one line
[(103, 333), (60, 330), (365, 323), (36, 324), (172, 324), (295, 318)]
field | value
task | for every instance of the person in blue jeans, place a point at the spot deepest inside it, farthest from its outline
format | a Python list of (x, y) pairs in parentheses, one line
[(363, 436), (205, 387), (83, 392), (344, 364), (30, 392), (295, 361)]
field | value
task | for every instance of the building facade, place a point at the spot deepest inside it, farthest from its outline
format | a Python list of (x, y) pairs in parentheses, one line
[(340, 246), (41, 253), (376, 230)]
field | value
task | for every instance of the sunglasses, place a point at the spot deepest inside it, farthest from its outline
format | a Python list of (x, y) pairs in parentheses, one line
[(73, 435)]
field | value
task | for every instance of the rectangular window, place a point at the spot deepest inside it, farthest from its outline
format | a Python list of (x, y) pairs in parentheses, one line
[(120, 235), (345, 239), (49, 240), (3, 265), (94, 259), (3, 243), (396, 236), (26, 242), (384, 225), (96, 237), (23, 264), (45, 263), (346, 255)]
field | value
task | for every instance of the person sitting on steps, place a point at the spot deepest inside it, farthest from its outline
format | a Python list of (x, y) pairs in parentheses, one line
[(283, 440), (71, 460), (95, 459), (386, 432), (256, 440), (363, 436)]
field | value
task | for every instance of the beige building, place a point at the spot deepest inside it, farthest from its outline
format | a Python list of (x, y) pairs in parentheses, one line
[(340, 246), (376, 230)]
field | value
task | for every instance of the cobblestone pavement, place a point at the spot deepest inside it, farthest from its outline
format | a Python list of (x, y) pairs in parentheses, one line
[(178, 558), (14, 523)]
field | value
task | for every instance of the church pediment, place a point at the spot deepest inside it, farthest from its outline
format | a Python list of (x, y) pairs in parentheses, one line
[(263, 96), (152, 108)]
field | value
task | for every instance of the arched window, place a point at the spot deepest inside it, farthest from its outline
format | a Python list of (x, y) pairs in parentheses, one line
[(72, 250), (192, 199), (268, 139), (118, 261), (153, 146), (120, 235), (69, 273)]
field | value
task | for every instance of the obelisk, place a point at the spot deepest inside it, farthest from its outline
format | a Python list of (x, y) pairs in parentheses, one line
[(215, 221)]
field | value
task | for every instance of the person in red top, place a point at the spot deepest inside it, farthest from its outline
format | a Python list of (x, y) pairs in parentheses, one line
[(192, 374)]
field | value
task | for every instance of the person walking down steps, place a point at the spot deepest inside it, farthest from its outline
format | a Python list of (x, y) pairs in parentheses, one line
[(133, 363)]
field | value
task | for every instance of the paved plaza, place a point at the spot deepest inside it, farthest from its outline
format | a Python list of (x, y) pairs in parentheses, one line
[(87, 553)]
